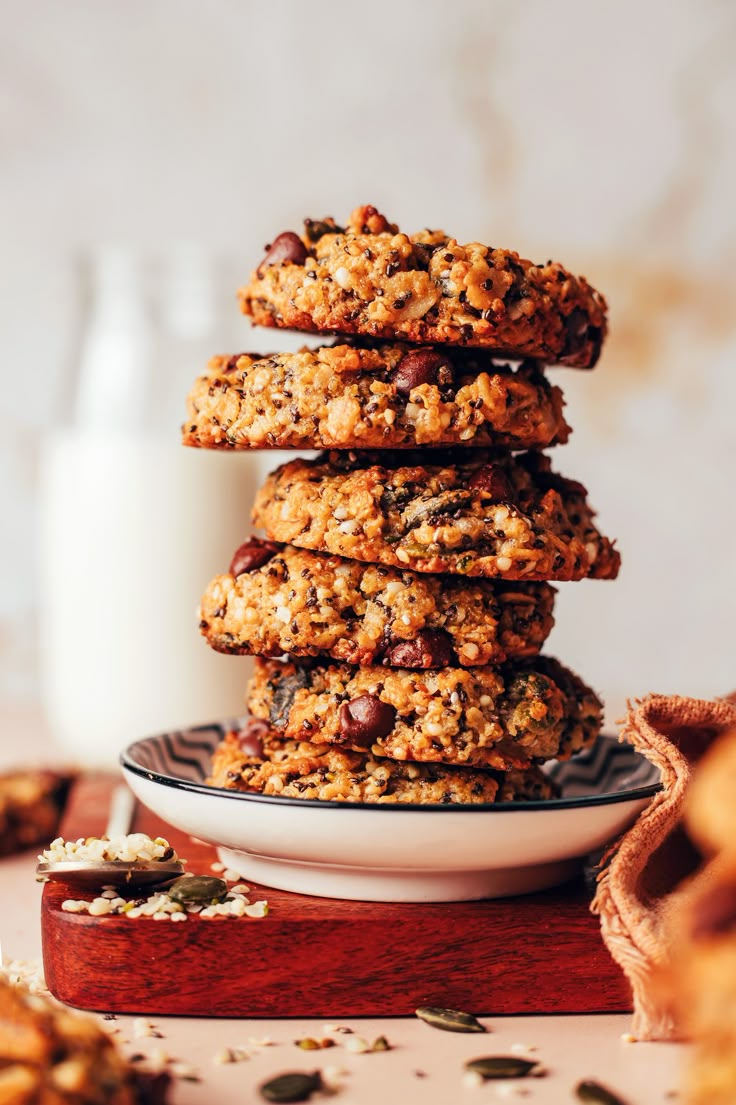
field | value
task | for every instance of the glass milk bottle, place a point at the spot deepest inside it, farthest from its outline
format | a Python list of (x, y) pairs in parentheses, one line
[(133, 526)]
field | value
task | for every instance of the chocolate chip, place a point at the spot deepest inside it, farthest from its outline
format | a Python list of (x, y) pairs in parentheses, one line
[(251, 738), (561, 484), (252, 554), (284, 693), (365, 719), (493, 482), (422, 255), (287, 247), (422, 366), (431, 648), (581, 336), (317, 228), (715, 913)]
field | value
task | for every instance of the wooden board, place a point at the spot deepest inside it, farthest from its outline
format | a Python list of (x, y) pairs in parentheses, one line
[(322, 957)]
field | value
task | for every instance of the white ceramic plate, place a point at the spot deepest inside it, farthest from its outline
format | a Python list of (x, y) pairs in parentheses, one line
[(393, 853)]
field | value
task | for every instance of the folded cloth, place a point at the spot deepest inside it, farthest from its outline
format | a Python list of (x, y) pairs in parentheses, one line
[(641, 876)]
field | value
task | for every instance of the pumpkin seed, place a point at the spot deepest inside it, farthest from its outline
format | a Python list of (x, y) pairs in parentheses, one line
[(596, 1094), (501, 1066), (197, 888), (451, 1020), (380, 1044), (294, 1086)]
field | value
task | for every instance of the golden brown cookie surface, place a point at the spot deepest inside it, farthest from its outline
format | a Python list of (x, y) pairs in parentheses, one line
[(498, 718), (469, 513), (370, 279), (300, 769), (288, 600), (379, 396)]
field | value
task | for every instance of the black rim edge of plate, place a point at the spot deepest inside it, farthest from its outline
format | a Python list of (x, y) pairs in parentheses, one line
[(608, 799)]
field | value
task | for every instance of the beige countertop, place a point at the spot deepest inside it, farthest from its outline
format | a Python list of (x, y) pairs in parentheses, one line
[(424, 1064)]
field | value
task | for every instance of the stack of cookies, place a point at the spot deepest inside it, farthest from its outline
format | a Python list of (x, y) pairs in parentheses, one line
[(399, 604)]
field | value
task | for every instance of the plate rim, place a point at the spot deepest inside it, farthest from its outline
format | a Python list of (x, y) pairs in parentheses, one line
[(127, 763)]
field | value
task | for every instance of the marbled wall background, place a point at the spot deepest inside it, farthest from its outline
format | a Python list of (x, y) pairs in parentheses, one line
[(600, 134)]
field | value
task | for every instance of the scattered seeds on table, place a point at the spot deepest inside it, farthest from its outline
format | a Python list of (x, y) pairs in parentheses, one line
[(293, 1086), (381, 1044), (596, 1094), (511, 1089), (451, 1020), (332, 1078), (308, 1043), (501, 1066), (357, 1044), (143, 1029)]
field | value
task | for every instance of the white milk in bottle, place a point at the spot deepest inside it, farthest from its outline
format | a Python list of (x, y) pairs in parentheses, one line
[(133, 526)]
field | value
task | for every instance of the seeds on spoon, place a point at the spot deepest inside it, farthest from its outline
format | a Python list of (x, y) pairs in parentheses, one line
[(125, 848), (450, 1020)]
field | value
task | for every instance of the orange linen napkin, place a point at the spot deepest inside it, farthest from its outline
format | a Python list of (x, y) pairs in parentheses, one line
[(641, 875)]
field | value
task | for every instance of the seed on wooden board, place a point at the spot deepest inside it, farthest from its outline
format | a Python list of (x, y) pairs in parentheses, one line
[(294, 1086), (501, 1066), (597, 1094), (197, 888), (451, 1020)]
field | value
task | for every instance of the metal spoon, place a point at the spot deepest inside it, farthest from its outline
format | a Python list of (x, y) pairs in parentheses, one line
[(91, 874)]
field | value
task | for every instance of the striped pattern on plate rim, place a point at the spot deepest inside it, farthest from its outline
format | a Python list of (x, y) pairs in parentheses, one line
[(607, 768)]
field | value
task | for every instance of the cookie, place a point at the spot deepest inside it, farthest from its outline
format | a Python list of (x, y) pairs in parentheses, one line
[(700, 980), (369, 279), (51, 1055), (469, 513), (280, 599), (498, 718), (298, 769), (710, 812), (387, 396), (31, 804)]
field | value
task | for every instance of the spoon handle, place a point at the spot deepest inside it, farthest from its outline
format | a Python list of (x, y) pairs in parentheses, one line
[(122, 809)]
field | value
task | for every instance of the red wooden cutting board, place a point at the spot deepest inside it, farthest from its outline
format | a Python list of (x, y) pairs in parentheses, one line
[(320, 957)]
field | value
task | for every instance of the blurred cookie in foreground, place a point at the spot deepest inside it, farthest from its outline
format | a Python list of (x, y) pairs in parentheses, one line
[(31, 804), (249, 761), (701, 980), (52, 1055), (711, 808)]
